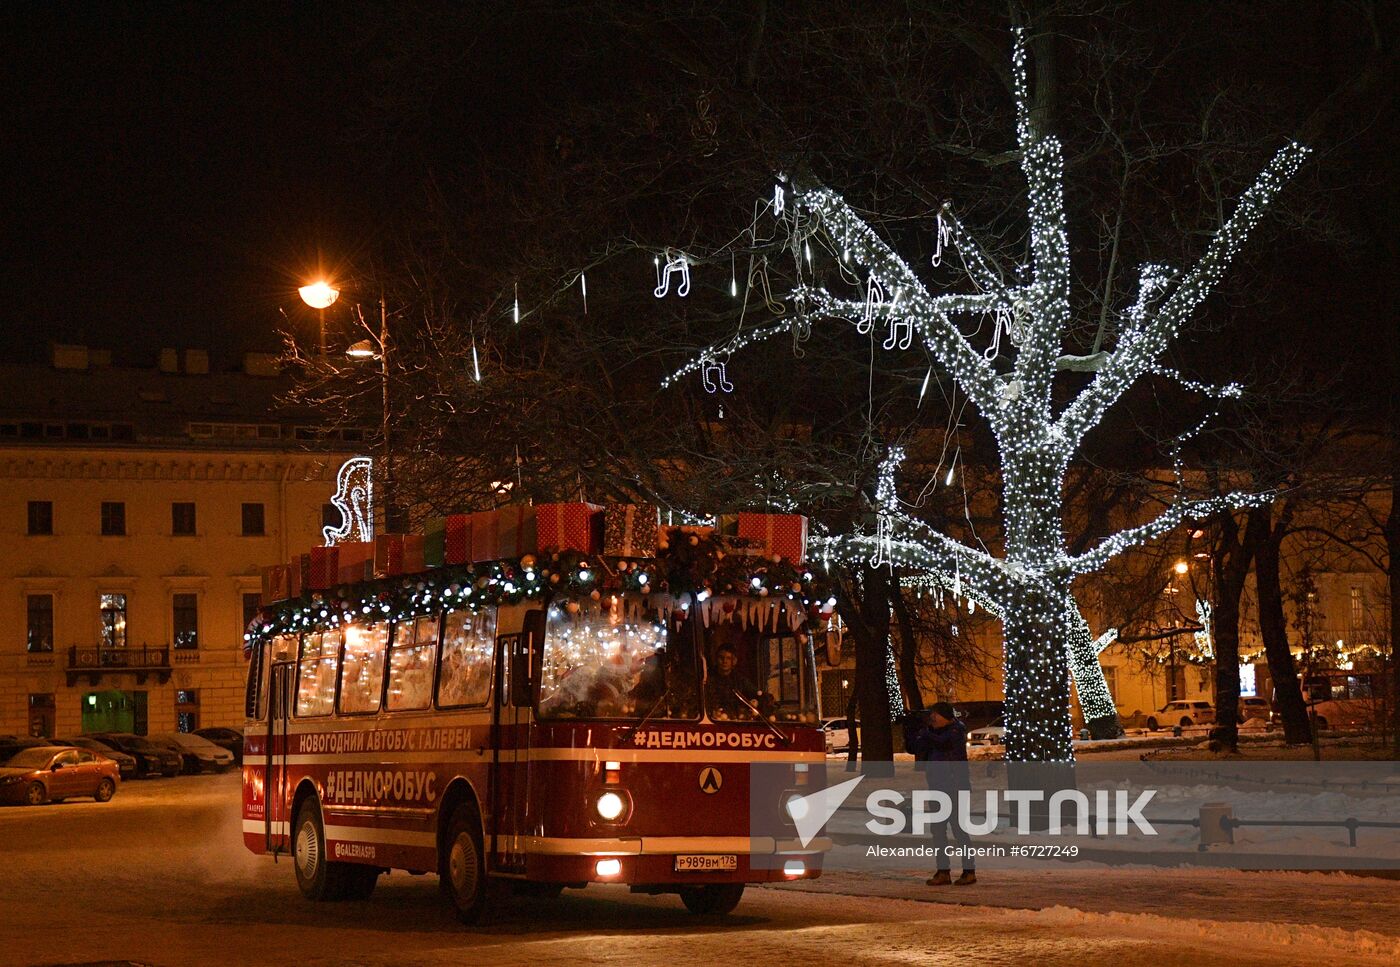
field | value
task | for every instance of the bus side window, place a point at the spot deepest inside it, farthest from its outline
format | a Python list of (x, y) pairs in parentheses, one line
[(468, 650), (320, 652), (362, 668), (411, 663)]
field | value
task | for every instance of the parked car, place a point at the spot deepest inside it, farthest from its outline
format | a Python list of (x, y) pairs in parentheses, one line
[(11, 744), (48, 773), (230, 739), (125, 762), (196, 752), (1254, 707), (994, 733), (838, 734), (975, 715), (1183, 713), (159, 760)]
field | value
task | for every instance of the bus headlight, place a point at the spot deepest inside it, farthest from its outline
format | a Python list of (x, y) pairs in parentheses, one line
[(796, 807), (610, 806)]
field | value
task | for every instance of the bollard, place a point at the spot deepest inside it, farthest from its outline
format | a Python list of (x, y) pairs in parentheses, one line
[(1215, 827)]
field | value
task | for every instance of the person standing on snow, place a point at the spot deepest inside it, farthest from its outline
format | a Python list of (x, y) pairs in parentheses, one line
[(937, 736)]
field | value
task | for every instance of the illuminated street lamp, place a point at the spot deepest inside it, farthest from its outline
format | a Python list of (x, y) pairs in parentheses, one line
[(319, 295), (1181, 567), (364, 349)]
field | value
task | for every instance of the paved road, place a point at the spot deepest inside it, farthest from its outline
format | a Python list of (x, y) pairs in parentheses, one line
[(159, 876)]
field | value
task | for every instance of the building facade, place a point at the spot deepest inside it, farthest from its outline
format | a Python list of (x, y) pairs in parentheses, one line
[(138, 507)]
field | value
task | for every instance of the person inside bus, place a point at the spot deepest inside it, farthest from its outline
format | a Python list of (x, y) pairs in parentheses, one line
[(728, 693), (667, 676)]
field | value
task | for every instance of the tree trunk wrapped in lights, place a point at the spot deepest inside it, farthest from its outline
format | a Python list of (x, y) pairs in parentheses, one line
[(1030, 586)]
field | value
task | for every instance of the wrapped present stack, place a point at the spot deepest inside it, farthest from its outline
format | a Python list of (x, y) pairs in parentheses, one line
[(569, 527), (320, 569), (355, 561), (779, 535), (276, 583), (388, 555), (631, 530)]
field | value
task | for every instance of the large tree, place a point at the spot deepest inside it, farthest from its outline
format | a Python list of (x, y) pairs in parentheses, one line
[(1030, 584)]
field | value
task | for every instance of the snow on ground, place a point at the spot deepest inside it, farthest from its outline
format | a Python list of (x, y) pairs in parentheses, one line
[(159, 876)]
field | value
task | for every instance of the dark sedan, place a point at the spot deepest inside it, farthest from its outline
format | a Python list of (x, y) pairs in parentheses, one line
[(48, 773), (125, 761), (12, 744), (152, 760), (230, 739)]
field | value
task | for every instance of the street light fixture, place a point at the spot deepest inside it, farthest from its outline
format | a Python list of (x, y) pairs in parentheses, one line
[(364, 349), (320, 295)]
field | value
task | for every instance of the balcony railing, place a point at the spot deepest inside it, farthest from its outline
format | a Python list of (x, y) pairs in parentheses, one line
[(94, 661)]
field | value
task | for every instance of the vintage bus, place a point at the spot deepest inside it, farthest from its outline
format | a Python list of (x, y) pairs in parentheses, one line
[(548, 742)]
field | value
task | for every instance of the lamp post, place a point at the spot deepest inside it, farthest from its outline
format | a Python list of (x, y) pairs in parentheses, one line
[(364, 350)]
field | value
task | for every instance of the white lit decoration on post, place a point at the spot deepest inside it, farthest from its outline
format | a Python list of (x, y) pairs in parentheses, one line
[(354, 498), (1030, 587)]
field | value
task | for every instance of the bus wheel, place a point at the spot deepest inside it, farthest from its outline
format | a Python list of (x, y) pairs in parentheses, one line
[(462, 865), (716, 899), (318, 879)]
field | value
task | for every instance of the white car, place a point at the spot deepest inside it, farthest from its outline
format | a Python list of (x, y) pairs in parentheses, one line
[(1183, 713), (993, 734), (838, 734), (198, 753)]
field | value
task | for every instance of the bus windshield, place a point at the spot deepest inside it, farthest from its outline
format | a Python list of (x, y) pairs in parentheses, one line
[(752, 675), (598, 663)]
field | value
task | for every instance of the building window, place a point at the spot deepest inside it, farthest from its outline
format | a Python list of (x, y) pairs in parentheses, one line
[(1357, 615), (113, 608), (187, 709), (1110, 678), (43, 714), (185, 626), (40, 517), (252, 603), (1176, 684), (182, 519), (40, 623), (113, 518), (253, 522), (331, 516)]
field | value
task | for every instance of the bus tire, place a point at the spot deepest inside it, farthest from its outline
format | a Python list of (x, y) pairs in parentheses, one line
[(462, 864), (715, 899), (318, 879)]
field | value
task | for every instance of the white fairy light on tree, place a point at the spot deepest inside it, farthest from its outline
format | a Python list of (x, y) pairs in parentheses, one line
[(1029, 588)]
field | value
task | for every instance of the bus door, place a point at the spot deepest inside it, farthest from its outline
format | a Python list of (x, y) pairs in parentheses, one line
[(517, 678), (281, 693)]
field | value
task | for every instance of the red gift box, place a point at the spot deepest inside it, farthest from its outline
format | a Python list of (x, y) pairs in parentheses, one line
[(276, 584), (322, 568), (356, 561), (447, 540), (631, 530), (503, 533), (388, 555), (413, 554), (296, 574), (784, 535), (569, 527)]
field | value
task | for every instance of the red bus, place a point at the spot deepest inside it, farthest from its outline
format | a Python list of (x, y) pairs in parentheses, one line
[(552, 741)]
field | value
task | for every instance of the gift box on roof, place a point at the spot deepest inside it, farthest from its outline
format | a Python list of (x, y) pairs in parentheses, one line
[(388, 555), (569, 527), (356, 561), (503, 533), (276, 583), (322, 568), (728, 525), (413, 547), (784, 535), (631, 530), (447, 540), (296, 574)]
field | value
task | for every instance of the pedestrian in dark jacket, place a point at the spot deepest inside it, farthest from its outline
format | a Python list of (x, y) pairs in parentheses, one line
[(939, 739)]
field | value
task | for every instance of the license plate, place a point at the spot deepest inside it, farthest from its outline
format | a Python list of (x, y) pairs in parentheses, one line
[(707, 864)]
